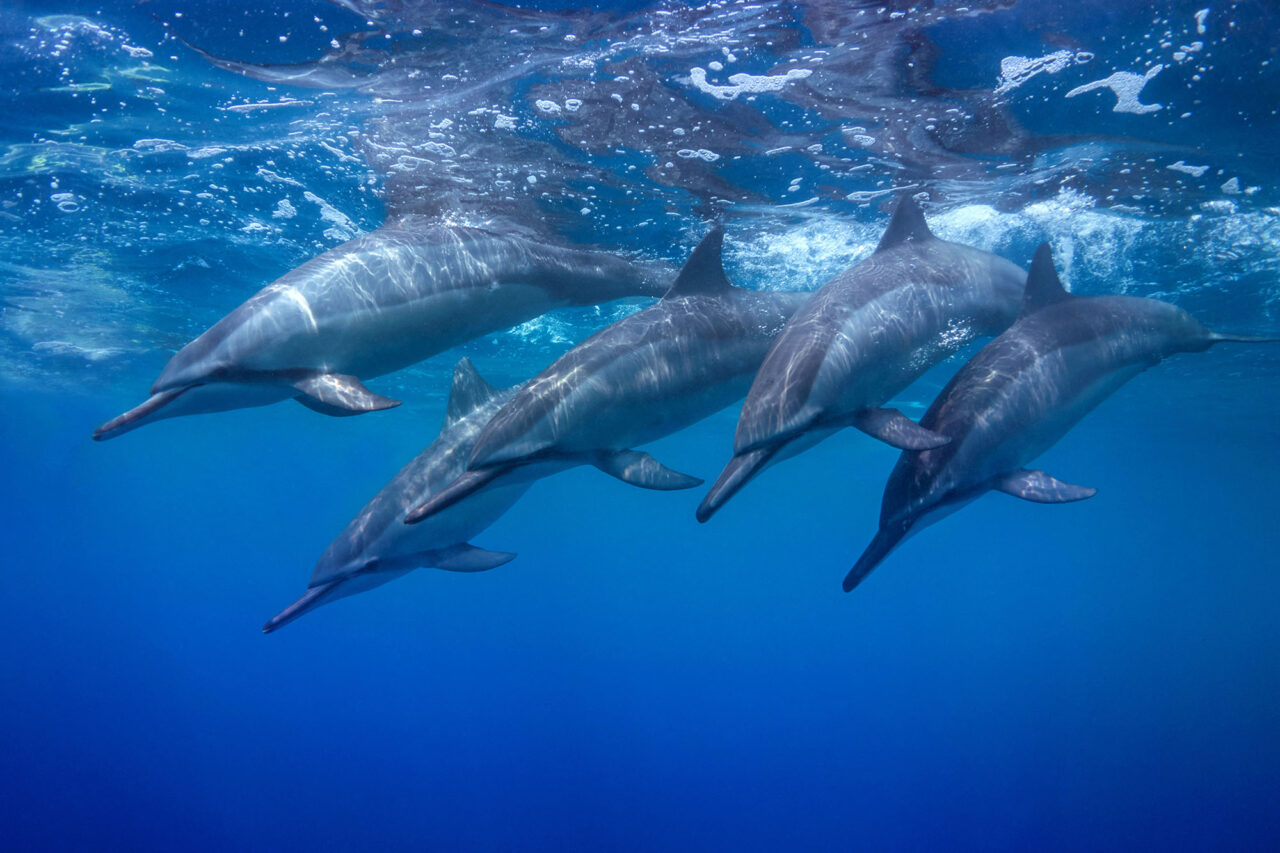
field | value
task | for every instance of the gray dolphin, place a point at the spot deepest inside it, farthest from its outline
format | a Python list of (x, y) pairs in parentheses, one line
[(377, 547), (1020, 394), (866, 335), (376, 304), (644, 377)]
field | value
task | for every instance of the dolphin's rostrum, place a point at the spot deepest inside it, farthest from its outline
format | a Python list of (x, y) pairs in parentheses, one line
[(642, 378), (1020, 394), (373, 305), (865, 336)]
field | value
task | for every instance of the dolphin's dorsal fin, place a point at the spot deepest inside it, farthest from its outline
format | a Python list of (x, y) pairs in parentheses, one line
[(468, 393), (906, 225), (703, 272), (1044, 288)]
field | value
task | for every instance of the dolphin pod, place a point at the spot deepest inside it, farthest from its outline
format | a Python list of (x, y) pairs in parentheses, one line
[(1020, 394), (809, 365), (864, 337), (374, 305)]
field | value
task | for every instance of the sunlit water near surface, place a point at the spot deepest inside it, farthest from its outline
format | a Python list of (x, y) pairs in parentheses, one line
[(1101, 675)]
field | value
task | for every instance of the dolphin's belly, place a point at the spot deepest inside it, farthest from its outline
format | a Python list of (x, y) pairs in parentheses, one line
[(453, 525), (379, 531)]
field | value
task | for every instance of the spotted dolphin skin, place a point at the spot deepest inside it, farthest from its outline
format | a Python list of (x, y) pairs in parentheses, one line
[(865, 336), (644, 377), (377, 547), (376, 304), (1023, 392)]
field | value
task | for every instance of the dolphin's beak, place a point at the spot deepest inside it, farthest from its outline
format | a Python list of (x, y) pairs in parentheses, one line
[(468, 483), (886, 539), (740, 471), (136, 416), (308, 601)]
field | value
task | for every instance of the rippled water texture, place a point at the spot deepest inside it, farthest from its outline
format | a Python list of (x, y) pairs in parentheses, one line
[(154, 188)]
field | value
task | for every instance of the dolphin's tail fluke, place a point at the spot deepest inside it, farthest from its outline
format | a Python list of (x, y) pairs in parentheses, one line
[(308, 601), (469, 483), (136, 416), (740, 471), (886, 539)]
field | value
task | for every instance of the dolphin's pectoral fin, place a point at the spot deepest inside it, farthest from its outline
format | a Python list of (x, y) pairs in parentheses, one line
[(468, 558), (641, 469), (1039, 487), (896, 429), (339, 395)]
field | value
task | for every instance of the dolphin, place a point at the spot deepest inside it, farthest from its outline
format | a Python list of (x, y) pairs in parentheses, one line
[(1020, 394), (646, 376), (381, 302), (867, 334), (377, 547)]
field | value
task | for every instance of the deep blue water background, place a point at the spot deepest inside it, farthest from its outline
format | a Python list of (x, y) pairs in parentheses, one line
[(1094, 675), (1102, 675)]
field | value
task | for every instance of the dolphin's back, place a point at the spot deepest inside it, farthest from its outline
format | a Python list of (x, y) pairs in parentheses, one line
[(395, 296), (1026, 389), (872, 330), (641, 378)]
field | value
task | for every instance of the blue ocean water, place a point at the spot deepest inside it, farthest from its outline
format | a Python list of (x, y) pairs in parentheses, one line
[(1100, 675)]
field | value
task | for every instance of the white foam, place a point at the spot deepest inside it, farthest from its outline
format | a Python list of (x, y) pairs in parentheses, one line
[(266, 105), (745, 84), (1193, 171), (275, 178), (1016, 70), (700, 154), (343, 228), (1127, 86), (73, 350)]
